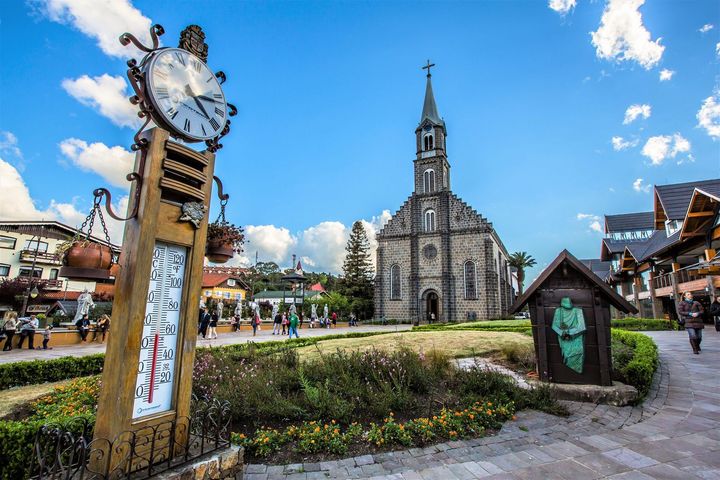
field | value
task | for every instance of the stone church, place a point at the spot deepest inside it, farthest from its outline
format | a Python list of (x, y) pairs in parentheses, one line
[(437, 258)]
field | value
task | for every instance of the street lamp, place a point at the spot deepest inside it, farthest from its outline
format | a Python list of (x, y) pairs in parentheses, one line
[(32, 290)]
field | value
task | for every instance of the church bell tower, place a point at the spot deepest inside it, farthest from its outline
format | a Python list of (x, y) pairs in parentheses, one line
[(432, 170)]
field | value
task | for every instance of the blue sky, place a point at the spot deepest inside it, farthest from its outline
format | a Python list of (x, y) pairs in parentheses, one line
[(329, 95)]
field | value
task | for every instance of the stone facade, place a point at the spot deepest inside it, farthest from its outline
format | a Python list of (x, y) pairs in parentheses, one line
[(440, 245), (225, 464)]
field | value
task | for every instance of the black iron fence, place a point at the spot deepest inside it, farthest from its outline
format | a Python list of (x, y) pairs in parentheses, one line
[(71, 452)]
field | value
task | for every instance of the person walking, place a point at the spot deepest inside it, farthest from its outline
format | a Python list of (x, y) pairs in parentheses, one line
[(690, 312), (28, 331), (277, 321), (213, 325), (83, 327), (334, 319), (46, 337), (101, 327), (203, 322), (10, 328), (284, 323), (255, 323), (293, 325), (714, 312)]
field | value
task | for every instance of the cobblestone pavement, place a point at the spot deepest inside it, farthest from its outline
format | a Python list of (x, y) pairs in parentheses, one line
[(243, 336), (675, 434)]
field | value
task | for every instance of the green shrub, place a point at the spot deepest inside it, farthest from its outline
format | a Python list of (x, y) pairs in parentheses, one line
[(643, 324), (41, 371), (639, 370)]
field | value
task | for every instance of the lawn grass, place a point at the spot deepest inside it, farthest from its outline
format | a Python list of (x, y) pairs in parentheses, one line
[(13, 397), (453, 344)]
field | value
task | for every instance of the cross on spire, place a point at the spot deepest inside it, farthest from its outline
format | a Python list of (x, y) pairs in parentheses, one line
[(427, 67)]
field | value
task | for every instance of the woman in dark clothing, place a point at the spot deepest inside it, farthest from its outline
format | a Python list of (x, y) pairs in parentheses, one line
[(690, 313), (714, 311)]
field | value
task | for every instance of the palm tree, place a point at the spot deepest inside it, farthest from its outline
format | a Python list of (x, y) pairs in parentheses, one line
[(521, 261)]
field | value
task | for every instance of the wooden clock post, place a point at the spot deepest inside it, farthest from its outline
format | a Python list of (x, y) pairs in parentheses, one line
[(144, 416)]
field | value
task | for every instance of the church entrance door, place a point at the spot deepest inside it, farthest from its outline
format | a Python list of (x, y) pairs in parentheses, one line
[(431, 307)]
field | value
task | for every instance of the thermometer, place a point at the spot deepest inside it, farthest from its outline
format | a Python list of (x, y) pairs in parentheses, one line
[(158, 345)]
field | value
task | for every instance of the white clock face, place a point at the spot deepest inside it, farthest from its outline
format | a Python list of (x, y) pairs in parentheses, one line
[(186, 94)]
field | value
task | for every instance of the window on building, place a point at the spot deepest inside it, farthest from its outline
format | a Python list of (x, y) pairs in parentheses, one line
[(208, 293), (672, 226), (430, 220), (54, 273), (4, 270), (238, 296), (7, 242), (25, 272), (231, 282), (226, 295), (429, 180), (470, 280), (395, 282), (428, 142), (35, 244)]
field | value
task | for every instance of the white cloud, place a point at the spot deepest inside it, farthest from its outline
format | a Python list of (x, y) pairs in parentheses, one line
[(320, 247), (9, 145), (636, 110), (709, 115), (619, 143), (666, 74), (662, 147), (638, 186), (717, 48), (706, 28), (111, 163), (593, 221), (562, 7), (106, 94), (16, 203), (623, 37), (102, 20)]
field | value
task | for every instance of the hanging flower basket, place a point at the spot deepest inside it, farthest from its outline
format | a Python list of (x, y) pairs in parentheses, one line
[(224, 240), (85, 259)]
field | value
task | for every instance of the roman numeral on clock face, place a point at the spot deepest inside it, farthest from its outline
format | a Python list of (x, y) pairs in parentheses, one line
[(203, 129), (162, 75), (196, 65), (162, 92), (186, 127), (214, 124), (220, 111), (180, 57), (172, 112)]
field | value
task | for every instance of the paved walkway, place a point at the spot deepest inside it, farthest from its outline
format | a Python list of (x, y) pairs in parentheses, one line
[(243, 336), (675, 434)]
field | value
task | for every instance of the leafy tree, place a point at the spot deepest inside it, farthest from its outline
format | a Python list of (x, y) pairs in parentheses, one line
[(357, 283), (12, 291), (521, 261), (267, 268)]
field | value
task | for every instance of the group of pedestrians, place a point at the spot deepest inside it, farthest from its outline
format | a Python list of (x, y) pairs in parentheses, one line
[(207, 323), (287, 322), (25, 328)]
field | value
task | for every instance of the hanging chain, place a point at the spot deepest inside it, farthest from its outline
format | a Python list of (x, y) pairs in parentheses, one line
[(90, 222), (221, 216)]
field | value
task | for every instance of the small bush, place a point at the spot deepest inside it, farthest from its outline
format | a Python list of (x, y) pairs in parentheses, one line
[(643, 324), (640, 368), (522, 356), (41, 371)]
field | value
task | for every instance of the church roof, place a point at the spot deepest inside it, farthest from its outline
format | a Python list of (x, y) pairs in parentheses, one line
[(430, 110)]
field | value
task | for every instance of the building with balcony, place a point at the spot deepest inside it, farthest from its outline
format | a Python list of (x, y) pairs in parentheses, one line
[(27, 253), (658, 255)]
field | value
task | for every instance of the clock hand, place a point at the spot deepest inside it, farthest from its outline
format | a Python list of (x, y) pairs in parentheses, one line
[(189, 92), (204, 97)]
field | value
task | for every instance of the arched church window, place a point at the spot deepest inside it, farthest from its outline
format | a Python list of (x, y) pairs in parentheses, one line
[(429, 142), (470, 280), (395, 282), (430, 220), (429, 180)]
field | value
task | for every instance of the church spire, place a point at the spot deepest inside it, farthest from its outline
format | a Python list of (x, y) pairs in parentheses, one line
[(430, 110)]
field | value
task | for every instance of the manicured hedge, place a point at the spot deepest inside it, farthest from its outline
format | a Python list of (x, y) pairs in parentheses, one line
[(640, 370), (643, 324), (41, 371)]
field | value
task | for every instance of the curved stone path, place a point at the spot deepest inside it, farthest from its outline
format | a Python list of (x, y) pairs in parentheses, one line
[(674, 434)]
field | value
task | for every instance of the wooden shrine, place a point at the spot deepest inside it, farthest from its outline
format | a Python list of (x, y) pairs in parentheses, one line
[(568, 278)]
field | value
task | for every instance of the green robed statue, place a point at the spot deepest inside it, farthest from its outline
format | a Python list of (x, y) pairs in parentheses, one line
[(569, 324)]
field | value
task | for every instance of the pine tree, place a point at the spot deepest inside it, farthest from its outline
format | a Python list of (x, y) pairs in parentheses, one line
[(357, 282)]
